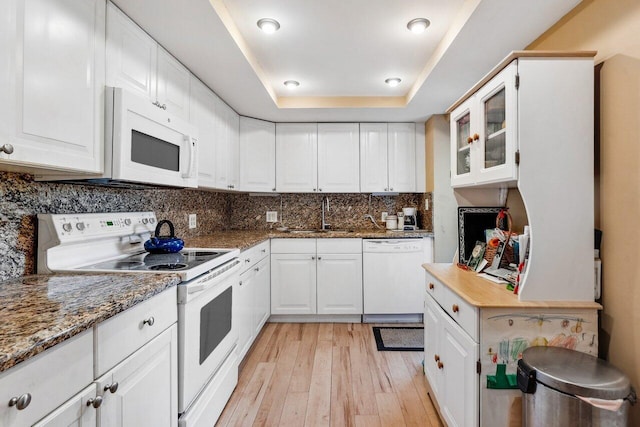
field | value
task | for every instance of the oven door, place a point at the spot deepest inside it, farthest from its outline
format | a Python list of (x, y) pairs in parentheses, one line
[(149, 145), (207, 332)]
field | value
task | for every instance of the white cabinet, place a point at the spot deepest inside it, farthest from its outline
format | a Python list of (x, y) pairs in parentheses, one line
[(253, 296), (338, 158), (202, 113), (339, 276), (484, 133), (296, 157), (316, 276), (143, 389), (432, 327), (76, 411), (137, 63), (52, 112), (387, 157), (227, 149), (293, 283), (257, 155)]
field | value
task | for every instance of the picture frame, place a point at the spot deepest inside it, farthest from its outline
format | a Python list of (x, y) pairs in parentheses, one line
[(472, 223), (477, 255)]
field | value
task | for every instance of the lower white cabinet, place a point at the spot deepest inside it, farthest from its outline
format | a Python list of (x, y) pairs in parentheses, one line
[(77, 411), (450, 366), (252, 304), (143, 389), (326, 280)]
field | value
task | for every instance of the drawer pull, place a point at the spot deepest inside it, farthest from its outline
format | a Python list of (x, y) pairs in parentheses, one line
[(264, 251), (247, 260), (440, 365), (469, 140), (455, 308), (257, 269), (95, 402), (476, 137), (431, 286), (20, 402), (111, 387), (150, 321), (436, 357)]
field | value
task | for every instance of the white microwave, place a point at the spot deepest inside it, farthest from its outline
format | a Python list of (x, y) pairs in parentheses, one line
[(144, 145)]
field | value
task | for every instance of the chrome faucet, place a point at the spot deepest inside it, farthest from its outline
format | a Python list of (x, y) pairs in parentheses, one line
[(325, 224)]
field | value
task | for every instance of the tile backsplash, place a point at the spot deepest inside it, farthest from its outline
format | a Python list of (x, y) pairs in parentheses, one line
[(22, 198)]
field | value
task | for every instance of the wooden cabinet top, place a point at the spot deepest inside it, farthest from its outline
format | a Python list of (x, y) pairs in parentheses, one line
[(483, 293)]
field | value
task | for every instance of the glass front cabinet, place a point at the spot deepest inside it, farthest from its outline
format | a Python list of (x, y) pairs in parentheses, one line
[(484, 138)]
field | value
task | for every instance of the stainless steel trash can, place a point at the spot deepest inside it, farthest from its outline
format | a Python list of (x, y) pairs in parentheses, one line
[(551, 378)]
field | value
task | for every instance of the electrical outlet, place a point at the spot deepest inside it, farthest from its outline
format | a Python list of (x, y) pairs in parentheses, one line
[(384, 216), (193, 221), (272, 216), (426, 204)]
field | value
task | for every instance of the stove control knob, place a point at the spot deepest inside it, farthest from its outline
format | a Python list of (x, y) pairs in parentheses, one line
[(152, 220), (67, 226), (80, 226), (145, 220), (127, 221)]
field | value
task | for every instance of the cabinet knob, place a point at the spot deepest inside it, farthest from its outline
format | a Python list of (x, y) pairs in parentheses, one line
[(431, 286), (111, 387), (163, 106), (436, 357), (150, 321), (319, 258), (95, 402), (6, 148), (256, 269), (455, 308), (440, 365), (247, 260), (386, 189), (391, 189), (264, 251), (240, 283), (314, 189), (319, 189), (273, 189), (313, 257), (476, 137), (469, 140), (20, 402)]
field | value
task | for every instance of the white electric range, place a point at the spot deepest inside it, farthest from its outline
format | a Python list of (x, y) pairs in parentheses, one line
[(207, 333)]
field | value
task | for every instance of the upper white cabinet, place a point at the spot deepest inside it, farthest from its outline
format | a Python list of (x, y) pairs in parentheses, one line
[(296, 157), (484, 133), (338, 158), (227, 147), (257, 155), (387, 157), (137, 63), (202, 113), (52, 113)]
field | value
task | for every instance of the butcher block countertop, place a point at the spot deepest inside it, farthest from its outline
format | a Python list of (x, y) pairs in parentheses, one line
[(41, 311), (483, 293), (245, 239)]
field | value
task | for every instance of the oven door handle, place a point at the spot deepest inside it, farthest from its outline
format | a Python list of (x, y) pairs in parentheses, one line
[(209, 282)]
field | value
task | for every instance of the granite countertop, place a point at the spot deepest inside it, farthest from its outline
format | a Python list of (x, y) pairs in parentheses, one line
[(245, 239), (41, 311)]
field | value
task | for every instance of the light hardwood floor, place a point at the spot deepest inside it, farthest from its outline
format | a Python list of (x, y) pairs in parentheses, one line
[(328, 374)]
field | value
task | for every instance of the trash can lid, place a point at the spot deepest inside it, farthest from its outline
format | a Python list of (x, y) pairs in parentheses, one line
[(576, 373)]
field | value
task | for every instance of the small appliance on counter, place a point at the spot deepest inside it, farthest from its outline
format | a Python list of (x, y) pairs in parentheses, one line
[(410, 219)]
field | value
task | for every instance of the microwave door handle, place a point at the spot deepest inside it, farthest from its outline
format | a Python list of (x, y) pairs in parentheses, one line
[(191, 142)]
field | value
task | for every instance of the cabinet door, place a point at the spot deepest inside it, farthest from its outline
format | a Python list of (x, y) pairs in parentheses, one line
[(52, 80), (257, 155), (131, 55), (227, 150), (296, 154), (202, 113), (262, 296), (233, 171), (458, 355), (373, 157), (243, 314), (293, 284), (402, 153), (497, 128), (462, 143), (147, 387), (432, 325), (75, 412), (172, 85), (338, 157), (339, 283)]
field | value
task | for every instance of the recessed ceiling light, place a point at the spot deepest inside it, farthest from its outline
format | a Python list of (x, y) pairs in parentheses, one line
[(268, 25), (291, 84), (418, 25), (393, 81)]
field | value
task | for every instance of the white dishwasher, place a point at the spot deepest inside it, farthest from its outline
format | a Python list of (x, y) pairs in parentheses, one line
[(393, 275)]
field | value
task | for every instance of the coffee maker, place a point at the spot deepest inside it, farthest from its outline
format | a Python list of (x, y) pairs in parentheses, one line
[(410, 219)]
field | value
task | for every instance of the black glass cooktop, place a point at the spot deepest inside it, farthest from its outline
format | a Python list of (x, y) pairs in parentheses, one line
[(183, 260)]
